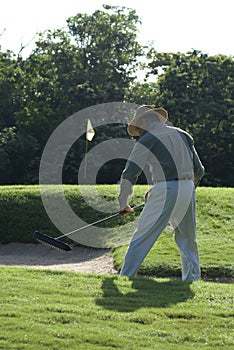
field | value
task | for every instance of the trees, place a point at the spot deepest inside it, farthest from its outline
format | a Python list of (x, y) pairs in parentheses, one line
[(10, 76), (108, 51), (90, 61), (198, 91), (93, 60)]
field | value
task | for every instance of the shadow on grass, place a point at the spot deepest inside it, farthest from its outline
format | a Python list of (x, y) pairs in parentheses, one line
[(129, 295)]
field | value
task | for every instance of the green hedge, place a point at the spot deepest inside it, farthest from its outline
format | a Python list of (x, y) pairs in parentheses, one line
[(22, 211)]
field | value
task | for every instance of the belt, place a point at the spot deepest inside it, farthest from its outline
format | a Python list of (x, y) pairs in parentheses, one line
[(181, 179)]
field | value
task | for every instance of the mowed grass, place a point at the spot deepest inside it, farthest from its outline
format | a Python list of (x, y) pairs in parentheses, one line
[(62, 310)]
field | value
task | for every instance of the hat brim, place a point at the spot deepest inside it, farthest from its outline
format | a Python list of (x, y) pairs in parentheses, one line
[(133, 128)]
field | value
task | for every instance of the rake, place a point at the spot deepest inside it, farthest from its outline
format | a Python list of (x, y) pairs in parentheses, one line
[(57, 243)]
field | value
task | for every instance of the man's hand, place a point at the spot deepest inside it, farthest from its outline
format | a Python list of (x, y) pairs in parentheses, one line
[(126, 210)]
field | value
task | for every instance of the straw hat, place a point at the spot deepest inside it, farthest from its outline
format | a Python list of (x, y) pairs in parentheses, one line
[(142, 111)]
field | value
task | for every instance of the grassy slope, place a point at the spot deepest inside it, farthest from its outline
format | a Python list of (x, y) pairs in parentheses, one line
[(57, 310), (22, 213)]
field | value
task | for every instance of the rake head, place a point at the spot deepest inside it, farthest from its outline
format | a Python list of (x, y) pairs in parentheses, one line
[(52, 242)]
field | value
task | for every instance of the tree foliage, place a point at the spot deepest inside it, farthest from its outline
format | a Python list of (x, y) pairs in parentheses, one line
[(198, 91), (90, 61), (94, 59)]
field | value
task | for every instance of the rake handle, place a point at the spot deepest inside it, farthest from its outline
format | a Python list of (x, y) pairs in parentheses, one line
[(113, 216)]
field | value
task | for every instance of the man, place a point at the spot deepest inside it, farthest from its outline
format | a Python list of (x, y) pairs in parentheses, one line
[(176, 170)]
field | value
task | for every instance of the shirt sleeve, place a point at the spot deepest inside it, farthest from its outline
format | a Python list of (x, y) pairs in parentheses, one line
[(199, 169), (134, 166)]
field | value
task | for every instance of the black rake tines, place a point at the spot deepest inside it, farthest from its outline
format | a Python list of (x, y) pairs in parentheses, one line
[(53, 242)]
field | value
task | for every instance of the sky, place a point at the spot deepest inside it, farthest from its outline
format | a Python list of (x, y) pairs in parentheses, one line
[(173, 25)]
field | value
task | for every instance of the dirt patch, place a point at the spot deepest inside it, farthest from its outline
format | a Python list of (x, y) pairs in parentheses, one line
[(38, 256)]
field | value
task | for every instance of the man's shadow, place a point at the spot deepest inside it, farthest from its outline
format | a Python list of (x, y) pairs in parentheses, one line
[(145, 292)]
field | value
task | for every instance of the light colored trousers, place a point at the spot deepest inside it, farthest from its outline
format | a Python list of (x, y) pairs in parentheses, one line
[(169, 202)]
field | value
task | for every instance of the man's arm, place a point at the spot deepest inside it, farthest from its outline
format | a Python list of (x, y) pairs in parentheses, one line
[(128, 179), (199, 169), (133, 169)]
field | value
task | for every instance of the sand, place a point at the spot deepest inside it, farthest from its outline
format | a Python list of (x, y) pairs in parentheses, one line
[(40, 256)]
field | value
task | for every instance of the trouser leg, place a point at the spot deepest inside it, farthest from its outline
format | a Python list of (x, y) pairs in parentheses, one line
[(151, 223), (139, 248), (185, 238)]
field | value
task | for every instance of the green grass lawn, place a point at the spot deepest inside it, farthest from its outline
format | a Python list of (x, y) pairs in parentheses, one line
[(62, 310)]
